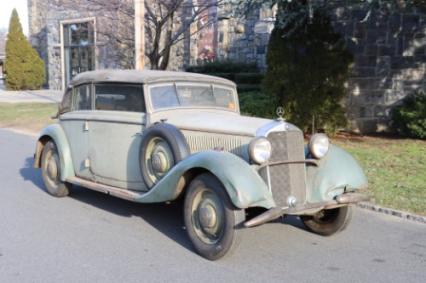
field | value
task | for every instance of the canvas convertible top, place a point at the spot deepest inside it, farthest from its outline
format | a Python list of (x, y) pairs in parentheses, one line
[(145, 76)]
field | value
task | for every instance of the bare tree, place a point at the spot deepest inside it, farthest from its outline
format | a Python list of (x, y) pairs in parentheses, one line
[(170, 21), (166, 23)]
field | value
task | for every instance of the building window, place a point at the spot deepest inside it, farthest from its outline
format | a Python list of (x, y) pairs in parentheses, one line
[(79, 48)]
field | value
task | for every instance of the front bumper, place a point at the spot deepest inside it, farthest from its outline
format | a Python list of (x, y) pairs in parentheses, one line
[(276, 212)]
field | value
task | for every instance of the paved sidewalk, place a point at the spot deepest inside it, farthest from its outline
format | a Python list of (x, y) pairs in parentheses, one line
[(39, 96)]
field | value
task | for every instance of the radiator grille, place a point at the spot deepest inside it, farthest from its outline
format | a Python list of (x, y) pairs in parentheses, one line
[(200, 141), (286, 179)]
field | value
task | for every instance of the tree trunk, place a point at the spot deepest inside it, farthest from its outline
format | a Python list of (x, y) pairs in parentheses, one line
[(168, 44)]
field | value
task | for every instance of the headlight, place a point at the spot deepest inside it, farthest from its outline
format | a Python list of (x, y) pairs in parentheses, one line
[(260, 150), (318, 145)]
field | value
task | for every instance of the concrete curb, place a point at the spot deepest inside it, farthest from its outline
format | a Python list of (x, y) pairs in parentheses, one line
[(389, 211)]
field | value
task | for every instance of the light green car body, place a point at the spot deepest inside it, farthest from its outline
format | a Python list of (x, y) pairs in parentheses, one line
[(338, 172), (331, 176)]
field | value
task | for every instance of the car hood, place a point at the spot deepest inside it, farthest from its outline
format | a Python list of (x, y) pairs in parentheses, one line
[(220, 121)]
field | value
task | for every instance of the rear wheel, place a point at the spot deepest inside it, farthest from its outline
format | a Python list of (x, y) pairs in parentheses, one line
[(328, 221), (211, 220), (51, 170)]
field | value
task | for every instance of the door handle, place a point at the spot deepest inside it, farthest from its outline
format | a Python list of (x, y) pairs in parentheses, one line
[(86, 126)]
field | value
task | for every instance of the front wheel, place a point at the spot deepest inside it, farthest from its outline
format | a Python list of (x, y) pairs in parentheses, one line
[(328, 221), (211, 220)]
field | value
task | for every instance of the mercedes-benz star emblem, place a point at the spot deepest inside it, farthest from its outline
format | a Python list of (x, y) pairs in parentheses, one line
[(280, 112)]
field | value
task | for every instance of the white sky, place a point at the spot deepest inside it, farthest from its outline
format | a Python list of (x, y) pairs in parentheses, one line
[(6, 7)]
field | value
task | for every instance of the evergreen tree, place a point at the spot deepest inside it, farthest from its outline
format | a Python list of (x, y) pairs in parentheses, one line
[(307, 70), (23, 67)]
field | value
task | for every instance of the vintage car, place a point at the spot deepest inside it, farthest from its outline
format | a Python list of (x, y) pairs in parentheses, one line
[(157, 136)]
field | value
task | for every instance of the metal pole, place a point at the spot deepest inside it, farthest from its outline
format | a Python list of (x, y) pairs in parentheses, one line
[(139, 34)]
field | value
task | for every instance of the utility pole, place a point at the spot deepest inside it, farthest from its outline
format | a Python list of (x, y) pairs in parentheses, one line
[(139, 34)]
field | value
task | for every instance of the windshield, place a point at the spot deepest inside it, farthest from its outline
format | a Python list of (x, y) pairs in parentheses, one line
[(192, 95)]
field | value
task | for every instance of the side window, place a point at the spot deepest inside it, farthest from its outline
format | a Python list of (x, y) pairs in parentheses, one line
[(119, 97), (164, 97), (83, 99), (65, 105)]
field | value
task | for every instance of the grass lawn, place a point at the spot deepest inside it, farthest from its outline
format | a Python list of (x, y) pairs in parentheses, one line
[(396, 170), (30, 117)]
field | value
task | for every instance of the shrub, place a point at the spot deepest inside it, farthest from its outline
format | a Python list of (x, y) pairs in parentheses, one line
[(257, 104), (409, 118), (307, 70), (23, 67)]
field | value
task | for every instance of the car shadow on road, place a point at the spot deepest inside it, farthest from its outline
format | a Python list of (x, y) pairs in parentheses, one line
[(29, 173), (166, 218)]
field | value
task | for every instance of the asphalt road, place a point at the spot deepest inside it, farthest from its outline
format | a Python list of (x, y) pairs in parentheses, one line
[(91, 237)]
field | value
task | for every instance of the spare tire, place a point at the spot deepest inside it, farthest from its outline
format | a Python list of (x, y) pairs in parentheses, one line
[(162, 146)]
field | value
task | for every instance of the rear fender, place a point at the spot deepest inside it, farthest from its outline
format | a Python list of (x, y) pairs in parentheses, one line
[(56, 133), (242, 182)]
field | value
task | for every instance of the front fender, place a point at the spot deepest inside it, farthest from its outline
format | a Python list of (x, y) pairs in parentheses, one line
[(57, 134), (336, 173), (243, 184)]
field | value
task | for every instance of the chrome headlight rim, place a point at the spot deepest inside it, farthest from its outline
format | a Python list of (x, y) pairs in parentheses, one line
[(319, 145), (260, 150)]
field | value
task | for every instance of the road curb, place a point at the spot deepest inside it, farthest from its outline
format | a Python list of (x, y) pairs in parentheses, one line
[(389, 211)]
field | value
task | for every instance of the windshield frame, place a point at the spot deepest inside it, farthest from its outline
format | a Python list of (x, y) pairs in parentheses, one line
[(152, 109)]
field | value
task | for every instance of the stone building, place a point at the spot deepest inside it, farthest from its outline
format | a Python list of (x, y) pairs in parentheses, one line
[(73, 36), (389, 47)]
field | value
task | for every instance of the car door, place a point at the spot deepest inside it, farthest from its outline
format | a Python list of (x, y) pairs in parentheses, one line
[(115, 130), (75, 125)]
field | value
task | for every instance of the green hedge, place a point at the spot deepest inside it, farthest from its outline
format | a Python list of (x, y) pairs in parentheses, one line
[(249, 88), (257, 104), (246, 76), (223, 67), (249, 78)]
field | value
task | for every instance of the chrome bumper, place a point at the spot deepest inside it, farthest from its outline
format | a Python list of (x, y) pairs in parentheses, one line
[(276, 212)]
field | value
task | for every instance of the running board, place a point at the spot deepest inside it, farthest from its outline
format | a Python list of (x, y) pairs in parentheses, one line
[(114, 191)]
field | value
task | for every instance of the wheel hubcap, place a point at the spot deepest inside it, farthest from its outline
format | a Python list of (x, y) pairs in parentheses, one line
[(159, 158), (208, 216), (159, 162)]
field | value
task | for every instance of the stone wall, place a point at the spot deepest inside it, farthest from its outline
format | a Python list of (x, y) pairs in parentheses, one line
[(246, 40), (389, 49)]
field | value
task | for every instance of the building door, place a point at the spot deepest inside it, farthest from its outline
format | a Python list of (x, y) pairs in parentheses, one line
[(79, 49)]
